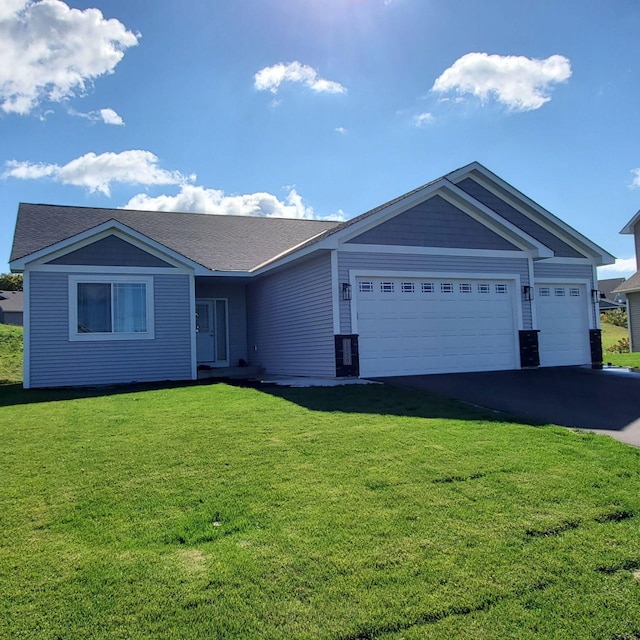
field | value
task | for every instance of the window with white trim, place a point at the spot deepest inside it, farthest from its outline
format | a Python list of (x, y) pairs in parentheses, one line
[(427, 287), (544, 292), (501, 288), (558, 291), (574, 292), (110, 308), (446, 287), (465, 287), (365, 286), (483, 287), (407, 287), (386, 287)]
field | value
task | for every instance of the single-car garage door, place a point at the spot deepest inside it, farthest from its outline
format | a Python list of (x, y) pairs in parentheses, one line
[(563, 320), (412, 326)]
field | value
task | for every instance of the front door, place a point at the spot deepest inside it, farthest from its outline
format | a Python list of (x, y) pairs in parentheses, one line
[(211, 332)]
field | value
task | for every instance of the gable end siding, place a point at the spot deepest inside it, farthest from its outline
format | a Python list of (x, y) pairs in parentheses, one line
[(55, 361), (291, 320), (446, 265), (434, 223), (560, 248), (110, 252)]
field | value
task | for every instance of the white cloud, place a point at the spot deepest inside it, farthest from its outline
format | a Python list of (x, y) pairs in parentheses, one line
[(98, 172), (270, 78), (196, 199), (635, 183), (50, 52), (520, 83), (109, 116), (106, 116), (341, 130), (423, 119), (621, 266)]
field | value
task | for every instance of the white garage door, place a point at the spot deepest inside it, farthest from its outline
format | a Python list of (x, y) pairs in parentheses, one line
[(435, 325), (563, 320)]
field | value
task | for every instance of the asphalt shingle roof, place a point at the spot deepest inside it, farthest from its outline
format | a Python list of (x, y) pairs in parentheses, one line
[(222, 243), (11, 300)]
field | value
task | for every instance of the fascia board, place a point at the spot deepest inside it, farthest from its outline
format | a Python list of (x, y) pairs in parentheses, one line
[(388, 213), (496, 222), (628, 228), (98, 232), (570, 235), (460, 199)]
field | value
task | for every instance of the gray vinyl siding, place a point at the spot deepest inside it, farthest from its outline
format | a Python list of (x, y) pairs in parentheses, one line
[(560, 248), (110, 251), (291, 320), (235, 294), (431, 264), (434, 223), (636, 237), (56, 361), (558, 271), (633, 309), (11, 317)]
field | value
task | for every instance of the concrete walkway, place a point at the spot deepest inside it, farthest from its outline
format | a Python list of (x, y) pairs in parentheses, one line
[(605, 401)]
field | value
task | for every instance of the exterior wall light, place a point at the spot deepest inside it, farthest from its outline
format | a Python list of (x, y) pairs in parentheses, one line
[(346, 291), (527, 292), (595, 294)]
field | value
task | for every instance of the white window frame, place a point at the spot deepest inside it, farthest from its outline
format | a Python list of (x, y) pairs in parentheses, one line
[(74, 280)]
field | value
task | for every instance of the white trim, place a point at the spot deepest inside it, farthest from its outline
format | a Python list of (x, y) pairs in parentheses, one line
[(434, 251), (26, 321), (62, 268), (596, 306), (532, 303), (496, 223), (629, 227), (559, 260), (335, 293), (74, 280), (463, 202), (548, 221), (568, 281), (287, 251), (213, 320), (192, 323), (110, 227)]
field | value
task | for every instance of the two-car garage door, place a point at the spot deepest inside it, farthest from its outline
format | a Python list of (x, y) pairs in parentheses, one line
[(435, 325)]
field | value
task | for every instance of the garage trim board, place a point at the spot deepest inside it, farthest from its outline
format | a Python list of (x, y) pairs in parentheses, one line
[(410, 322)]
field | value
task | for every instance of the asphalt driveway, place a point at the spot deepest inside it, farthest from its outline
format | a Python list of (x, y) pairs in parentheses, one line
[(606, 401)]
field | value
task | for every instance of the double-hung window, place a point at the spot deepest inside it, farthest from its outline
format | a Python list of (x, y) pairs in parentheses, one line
[(110, 308)]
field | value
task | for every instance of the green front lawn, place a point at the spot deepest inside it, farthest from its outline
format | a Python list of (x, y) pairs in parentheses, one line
[(354, 512), (611, 335), (10, 354)]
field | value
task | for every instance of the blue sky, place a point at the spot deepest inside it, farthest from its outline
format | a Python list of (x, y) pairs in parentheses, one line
[(319, 108)]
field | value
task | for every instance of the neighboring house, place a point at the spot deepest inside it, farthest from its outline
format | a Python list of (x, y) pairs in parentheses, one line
[(11, 307), (609, 298), (631, 287), (462, 274)]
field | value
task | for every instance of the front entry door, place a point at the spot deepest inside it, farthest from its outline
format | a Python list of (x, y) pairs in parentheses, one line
[(211, 332)]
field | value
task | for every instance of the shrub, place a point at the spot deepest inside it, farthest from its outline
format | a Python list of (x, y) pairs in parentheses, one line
[(622, 346), (617, 317)]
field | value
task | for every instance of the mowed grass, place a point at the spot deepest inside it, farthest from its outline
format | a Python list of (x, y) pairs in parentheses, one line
[(10, 354), (611, 334), (344, 513)]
